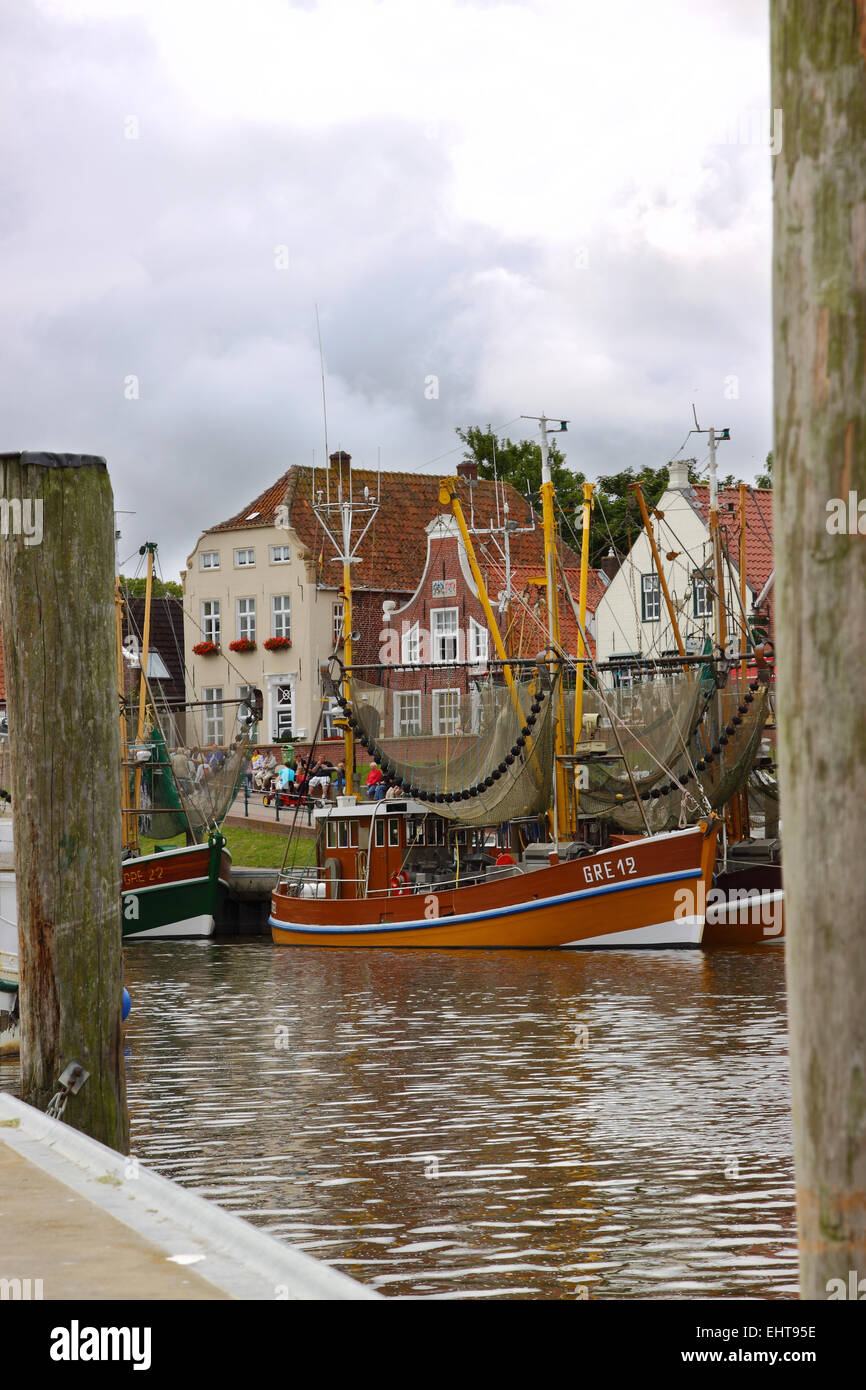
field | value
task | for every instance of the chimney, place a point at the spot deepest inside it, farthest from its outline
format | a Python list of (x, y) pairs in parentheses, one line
[(678, 474), (467, 469), (341, 462), (610, 564)]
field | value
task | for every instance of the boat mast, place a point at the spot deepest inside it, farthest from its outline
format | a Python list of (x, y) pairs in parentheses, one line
[(742, 565), (126, 814), (148, 548), (337, 521), (715, 537), (659, 571), (560, 794), (588, 489)]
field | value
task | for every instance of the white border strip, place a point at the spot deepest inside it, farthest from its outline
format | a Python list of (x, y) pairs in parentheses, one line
[(239, 1259)]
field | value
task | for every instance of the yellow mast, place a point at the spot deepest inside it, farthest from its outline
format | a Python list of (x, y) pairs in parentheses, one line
[(588, 489), (126, 817), (721, 626), (448, 497), (149, 547), (348, 736), (742, 561), (559, 814)]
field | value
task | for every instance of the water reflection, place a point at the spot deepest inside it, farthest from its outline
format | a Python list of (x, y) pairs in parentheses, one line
[(491, 1124)]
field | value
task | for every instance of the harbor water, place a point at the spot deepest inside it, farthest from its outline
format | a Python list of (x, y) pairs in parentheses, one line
[(602, 1124)]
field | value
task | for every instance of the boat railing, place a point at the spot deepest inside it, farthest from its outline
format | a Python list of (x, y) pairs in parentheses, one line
[(316, 882)]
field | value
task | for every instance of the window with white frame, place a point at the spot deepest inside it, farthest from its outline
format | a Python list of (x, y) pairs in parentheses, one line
[(246, 619), (407, 713), (651, 598), (478, 642), (281, 615), (337, 623), (701, 601), (244, 558), (446, 711), (444, 634), (209, 560), (210, 619), (213, 713), (280, 554), (410, 645)]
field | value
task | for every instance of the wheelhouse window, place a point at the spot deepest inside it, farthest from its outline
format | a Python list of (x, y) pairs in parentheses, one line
[(209, 560), (210, 619), (246, 619), (701, 601), (651, 598), (446, 711), (407, 713), (379, 835), (213, 714), (393, 831), (281, 615), (444, 634), (281, 554), (244, 559)]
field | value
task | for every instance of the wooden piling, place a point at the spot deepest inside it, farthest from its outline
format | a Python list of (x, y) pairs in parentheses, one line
[(819, 176), (59, 643)]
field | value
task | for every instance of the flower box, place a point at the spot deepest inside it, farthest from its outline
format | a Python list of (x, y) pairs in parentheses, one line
[(278, 644), (206, 649), (243, 644)]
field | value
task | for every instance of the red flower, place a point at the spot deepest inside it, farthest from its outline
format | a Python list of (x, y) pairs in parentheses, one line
[(277, 644), (243, 644), (206, 649)]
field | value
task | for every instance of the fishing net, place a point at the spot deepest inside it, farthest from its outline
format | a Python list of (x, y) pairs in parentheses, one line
[(732, 738), (479, 750), (655, 722), (192, 759)]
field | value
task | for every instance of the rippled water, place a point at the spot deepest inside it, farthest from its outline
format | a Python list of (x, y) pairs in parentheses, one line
[(485, 1123)]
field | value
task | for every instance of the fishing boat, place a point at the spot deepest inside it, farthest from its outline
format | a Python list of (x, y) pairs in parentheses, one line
[(479, 842), (175, 891), (389, 874)]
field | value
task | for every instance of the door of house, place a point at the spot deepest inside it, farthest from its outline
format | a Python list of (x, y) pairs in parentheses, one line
[(285, 711)]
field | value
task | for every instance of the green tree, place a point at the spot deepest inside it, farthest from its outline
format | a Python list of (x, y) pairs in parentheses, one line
[(162, 588), (766, 479), (617, 519), (520, 464)]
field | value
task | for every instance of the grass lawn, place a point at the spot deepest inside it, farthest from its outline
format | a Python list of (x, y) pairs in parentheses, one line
[(255, 849)]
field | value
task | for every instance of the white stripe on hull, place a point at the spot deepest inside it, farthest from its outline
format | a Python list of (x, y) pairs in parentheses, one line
[(190, 926), (762, 908), (684, 931)]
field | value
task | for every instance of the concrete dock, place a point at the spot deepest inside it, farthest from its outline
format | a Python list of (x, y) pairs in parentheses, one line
[(80, 1221)]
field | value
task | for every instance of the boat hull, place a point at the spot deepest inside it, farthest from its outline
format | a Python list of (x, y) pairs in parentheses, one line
[(746, 907), (175, 894), (609, 899)]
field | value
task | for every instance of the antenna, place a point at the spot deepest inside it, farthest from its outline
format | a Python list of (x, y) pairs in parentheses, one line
[(324, 401)]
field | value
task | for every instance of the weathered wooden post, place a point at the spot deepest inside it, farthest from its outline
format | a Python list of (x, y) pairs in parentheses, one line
[(56, 588), (819, 87)]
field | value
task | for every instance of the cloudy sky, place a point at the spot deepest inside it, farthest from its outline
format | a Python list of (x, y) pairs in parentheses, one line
[(499, 208)]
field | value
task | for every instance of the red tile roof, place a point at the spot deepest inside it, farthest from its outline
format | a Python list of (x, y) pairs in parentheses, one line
[(759, 528), (529, 631), (394, 550)]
